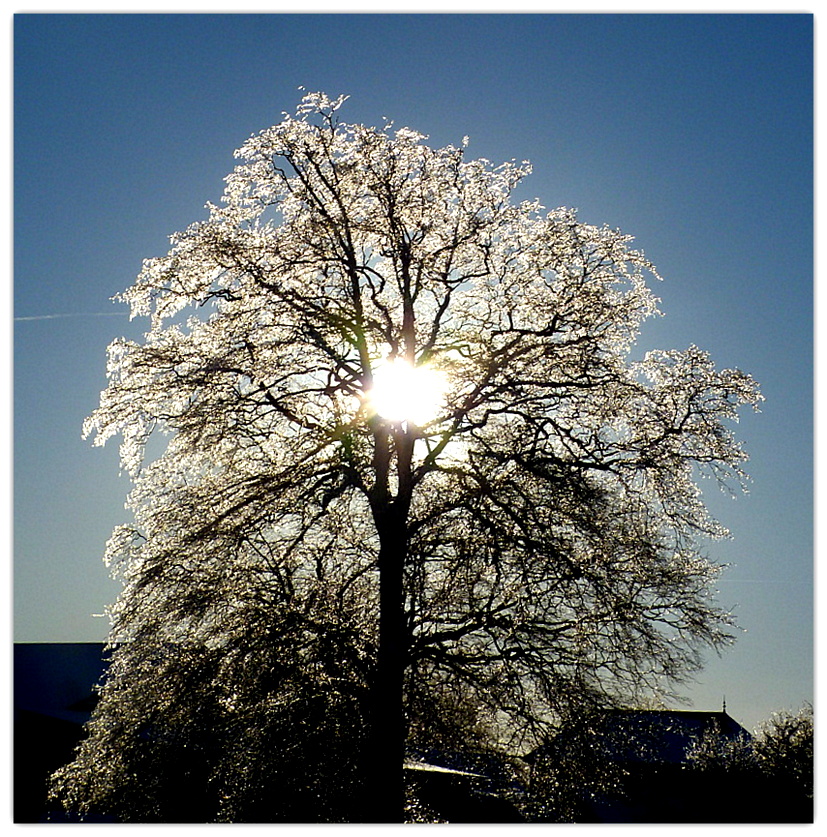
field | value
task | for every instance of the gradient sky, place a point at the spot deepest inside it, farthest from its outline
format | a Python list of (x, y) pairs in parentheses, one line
[(692, 133)]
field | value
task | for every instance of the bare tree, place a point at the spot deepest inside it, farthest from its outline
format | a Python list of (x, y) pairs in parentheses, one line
[(770, 774), (784, 752), (408, 451)]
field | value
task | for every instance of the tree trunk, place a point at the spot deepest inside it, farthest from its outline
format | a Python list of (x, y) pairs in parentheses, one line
[(389, 728)]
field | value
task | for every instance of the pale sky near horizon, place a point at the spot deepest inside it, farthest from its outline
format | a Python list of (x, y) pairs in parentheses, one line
[(692, 133)]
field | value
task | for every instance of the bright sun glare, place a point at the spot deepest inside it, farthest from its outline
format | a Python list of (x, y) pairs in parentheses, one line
[(402, 392)]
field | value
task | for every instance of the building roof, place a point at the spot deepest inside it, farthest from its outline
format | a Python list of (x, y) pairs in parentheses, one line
[(641, 736)]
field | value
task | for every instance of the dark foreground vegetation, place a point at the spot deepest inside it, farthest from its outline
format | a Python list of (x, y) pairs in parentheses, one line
[(668, 767)]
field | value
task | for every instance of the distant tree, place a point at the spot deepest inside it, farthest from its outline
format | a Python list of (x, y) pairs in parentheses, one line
[(409, 457), (714, 752), (784, 752), (773, 770)]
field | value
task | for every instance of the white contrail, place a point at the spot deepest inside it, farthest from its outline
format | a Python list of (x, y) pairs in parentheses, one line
[(78, 314)]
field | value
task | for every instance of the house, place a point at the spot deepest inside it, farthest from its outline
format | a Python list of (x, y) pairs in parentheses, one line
[(635, 766), (53, 698)]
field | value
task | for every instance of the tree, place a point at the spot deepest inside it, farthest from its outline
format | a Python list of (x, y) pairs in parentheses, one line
[(577, 769), (773, 770), (784, 754), (532, 541), (784, 748)]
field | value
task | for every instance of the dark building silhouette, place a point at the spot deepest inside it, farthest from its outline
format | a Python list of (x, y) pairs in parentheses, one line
[(634, 766), (53, 698)]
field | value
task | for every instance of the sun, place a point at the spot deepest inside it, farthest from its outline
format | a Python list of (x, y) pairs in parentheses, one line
[(403, 392)]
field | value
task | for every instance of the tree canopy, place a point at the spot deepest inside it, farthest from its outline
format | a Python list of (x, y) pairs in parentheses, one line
[(531, 540)]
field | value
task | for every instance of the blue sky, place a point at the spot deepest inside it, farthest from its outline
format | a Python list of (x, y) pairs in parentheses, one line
[(691, 132)]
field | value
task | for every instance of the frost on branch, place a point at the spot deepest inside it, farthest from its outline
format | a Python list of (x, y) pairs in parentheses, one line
[(545, 524)]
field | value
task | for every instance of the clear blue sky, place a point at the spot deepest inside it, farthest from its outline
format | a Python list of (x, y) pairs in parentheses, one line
[(692, 133)]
